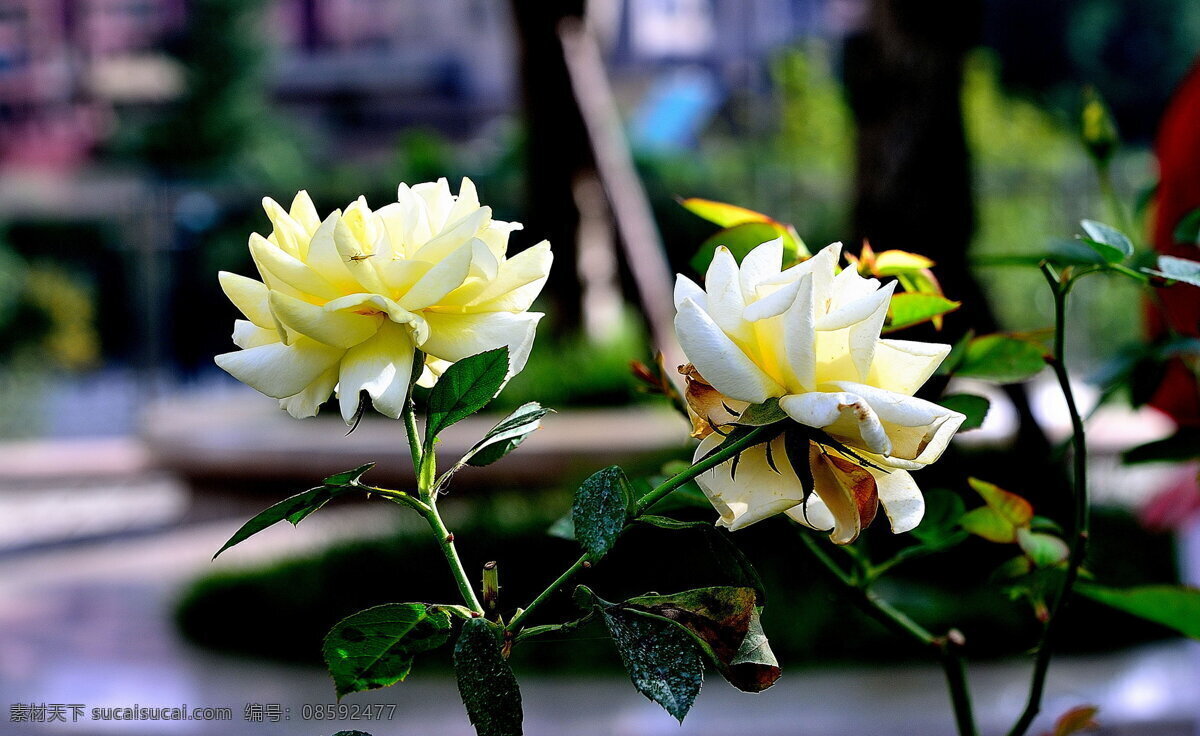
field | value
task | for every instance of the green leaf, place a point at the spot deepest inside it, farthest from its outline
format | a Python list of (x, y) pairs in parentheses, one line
[(1177, 269), (563, 528), (957, 355), (375, 648), (939, 526), (911, 308), (742, 238), (666, 522), (600, 510), (1014, 509), (1044, 550), (1188, 229), (721, 213), (1002, 359), (733, 562), (975, 408), (662, 659), (1176, 607), (485, 681), (294, 509), (1183, 445), (507, 435), (896, 262), (348, 477), (465, 388), (760, 415), (724, 621), (988, 523), (1112, 244)]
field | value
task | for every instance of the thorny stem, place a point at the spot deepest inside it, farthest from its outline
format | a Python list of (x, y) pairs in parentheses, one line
[(948, 648), (1078, 544), (661, 491)]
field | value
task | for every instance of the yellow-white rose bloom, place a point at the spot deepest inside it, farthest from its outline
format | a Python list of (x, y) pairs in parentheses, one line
[(345, 301), (809, 337)]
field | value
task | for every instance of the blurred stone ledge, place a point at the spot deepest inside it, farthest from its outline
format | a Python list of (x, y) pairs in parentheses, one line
[(247, 439)]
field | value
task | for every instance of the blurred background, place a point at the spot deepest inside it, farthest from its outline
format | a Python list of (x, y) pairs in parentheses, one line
[(137, 138)]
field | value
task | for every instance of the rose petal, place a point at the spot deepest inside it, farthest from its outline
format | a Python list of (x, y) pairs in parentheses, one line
[(719, 360), (900, 497), (249, 296), (341, 329), (308, 402), (843, 415), (279, 370), (381, 366), (453, 337), (753, 491), (903, 366)]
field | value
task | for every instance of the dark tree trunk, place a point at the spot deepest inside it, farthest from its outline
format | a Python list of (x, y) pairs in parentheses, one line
[(557, 151), (913, 187), (913, 190)]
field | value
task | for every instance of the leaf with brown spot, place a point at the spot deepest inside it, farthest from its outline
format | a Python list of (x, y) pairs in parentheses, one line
[(724, 621)]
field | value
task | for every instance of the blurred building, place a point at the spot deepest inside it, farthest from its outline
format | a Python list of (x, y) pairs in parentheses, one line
[(66, 65)]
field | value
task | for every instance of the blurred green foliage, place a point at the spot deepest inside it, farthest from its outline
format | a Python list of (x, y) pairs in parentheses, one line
[(283, 610)]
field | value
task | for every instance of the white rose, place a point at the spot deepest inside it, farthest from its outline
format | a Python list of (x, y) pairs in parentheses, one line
[(344, 302), (809, 337)]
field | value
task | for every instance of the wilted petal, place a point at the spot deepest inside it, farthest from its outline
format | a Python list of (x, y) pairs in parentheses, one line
[(752, 491), (342, 329), (847, 490), (381, 366), (919, 430), (279, 370), (719, 360), (707, 407)]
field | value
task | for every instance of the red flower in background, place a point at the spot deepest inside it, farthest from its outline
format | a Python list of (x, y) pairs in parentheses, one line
[(1178, 150)]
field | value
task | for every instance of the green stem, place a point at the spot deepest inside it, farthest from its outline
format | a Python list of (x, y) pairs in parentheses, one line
[(423, 465), (1109, 192), (948, 648), (1078, 545), (446, 542), (400, 497), (661, 491)]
